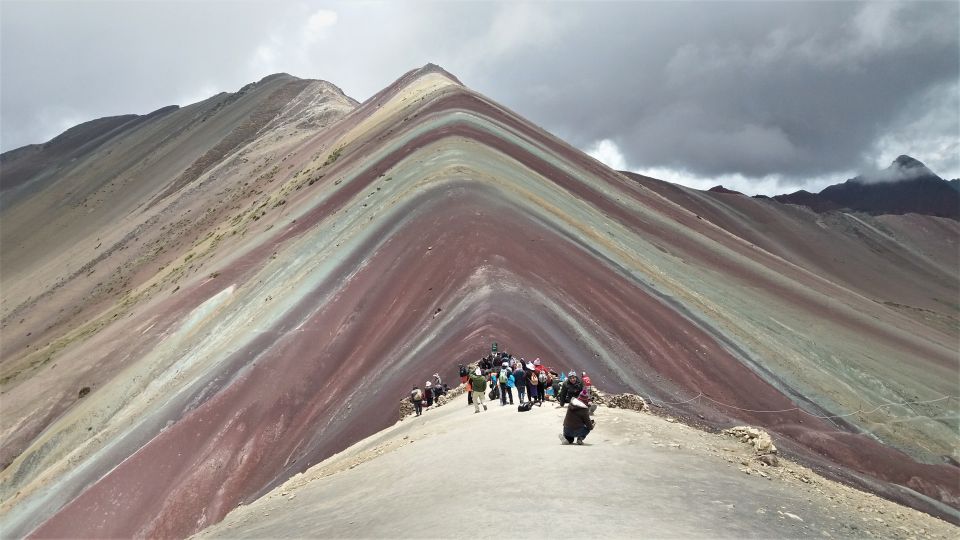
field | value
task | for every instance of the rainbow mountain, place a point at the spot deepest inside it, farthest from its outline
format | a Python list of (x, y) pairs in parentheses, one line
[(201, 302)]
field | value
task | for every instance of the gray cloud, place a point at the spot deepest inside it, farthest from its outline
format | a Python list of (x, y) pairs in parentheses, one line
[(775, 94)]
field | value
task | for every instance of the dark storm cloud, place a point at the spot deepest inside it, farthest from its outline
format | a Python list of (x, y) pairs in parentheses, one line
[(759, 89), (773, 94)]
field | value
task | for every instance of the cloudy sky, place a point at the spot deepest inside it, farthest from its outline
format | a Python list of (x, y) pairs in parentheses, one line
[(764, 97)]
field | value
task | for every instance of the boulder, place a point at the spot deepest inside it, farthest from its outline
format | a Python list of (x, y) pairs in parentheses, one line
[(769, 460)]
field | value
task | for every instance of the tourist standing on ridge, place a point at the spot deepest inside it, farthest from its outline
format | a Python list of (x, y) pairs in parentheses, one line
[(541, 383), (505, 379), (429, 394), (520, 382), (532, 385), (465, 379), (577, 423), (479, 387), (416, 397), (586, 381)]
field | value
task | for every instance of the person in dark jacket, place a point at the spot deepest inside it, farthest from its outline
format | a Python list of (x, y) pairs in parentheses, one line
[(520, 382), (577, 423), (428, 394), (571, 388)]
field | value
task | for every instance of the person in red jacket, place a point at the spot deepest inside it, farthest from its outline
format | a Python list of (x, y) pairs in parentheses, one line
[(465, 379)]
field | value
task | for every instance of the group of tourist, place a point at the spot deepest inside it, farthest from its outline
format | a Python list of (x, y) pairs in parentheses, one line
[(534, 383), (432, 390)]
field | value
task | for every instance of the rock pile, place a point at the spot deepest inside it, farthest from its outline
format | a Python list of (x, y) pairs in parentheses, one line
[(406, 408), (632, 402), (759, 439)]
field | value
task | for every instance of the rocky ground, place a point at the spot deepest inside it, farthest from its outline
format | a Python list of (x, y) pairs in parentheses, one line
[(638, 475)]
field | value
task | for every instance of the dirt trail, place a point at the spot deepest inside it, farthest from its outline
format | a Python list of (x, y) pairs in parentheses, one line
[(638, 476)]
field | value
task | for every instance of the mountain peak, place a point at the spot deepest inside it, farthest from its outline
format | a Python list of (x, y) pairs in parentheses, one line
[(906, 162), (904, 168)]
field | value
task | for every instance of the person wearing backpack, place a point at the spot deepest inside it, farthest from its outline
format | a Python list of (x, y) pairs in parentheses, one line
[(541, 384), (479, 387), (532, 387), (416, 397), (505, 380)]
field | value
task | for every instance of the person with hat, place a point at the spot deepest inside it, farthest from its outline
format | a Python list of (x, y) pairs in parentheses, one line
[(416, 397), (532, 386), (577, 423), (428, 393), (571, 388), (479, 387)]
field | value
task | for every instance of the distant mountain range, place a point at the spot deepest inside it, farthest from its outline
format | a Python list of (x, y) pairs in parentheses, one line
[(906, 186)]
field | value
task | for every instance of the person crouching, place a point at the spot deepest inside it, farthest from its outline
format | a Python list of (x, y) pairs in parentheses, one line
[(577, 423)]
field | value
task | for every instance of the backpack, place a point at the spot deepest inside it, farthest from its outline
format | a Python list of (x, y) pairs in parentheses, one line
[(463, 371), (542, 377), (417, 395), (524, 407), (503, 376)]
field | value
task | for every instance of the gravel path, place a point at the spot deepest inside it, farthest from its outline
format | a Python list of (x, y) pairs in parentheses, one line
[(637, 476)]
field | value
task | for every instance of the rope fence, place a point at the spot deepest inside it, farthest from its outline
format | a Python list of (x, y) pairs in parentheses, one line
[(798, 409)]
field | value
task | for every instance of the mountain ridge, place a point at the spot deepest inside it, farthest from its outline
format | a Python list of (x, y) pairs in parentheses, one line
[(405, 232)]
